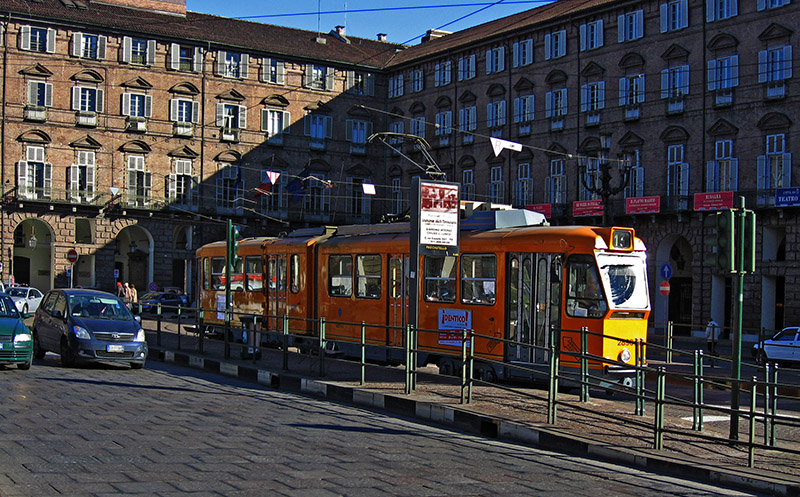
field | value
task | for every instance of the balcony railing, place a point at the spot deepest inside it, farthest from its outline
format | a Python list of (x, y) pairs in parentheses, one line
[(136, 124), (675, 104), (776, 90), (317, 143), (183, 129), (35, 113), (632, 112), (86, 118), (358, 148), (557, 123), (525, 129), (723, 97), (229, 135), (593, 118)]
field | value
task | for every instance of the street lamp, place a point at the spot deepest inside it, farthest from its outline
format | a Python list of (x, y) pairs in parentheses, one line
[(32, 240), (602, 185), (133, 247)]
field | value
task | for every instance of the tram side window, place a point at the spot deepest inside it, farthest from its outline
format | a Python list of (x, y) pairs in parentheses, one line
[(585, 296), (206, 273), (478, 279), (340, 270), (277, 273), (368, 276), (237, 277), (254, 272), (440, 278), (217, 273), (294, 273)]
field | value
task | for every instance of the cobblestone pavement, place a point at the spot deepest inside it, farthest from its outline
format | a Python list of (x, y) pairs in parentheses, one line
[(169, 430)]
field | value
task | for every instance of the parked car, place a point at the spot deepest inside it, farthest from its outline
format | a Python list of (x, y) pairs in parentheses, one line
[(16, 342), (88, 325), (169, 302), (26, 298), (784, 346), (185, 300)]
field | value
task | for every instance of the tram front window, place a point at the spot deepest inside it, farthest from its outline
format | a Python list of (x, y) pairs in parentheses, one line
[(585, 296), (625, 279)]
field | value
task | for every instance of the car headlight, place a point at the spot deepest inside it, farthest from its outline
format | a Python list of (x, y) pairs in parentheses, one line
[(22, 338), (625, 355), (81, 333), (140, 336)]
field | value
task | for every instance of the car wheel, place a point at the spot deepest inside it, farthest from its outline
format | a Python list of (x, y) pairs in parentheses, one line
[(137, 365), (38, 351), (67, 356), (24, 365)]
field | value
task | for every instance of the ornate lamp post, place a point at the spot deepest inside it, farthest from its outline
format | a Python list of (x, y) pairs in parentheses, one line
[(599, 183)]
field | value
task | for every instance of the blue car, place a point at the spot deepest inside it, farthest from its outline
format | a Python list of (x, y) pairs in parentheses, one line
[(16, 343), (88, 325)]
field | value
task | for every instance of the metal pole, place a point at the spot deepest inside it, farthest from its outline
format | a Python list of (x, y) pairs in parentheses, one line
[(158, 324), (659, 414), (363, 352), (700, 389), (767, 401), (322, 346), (669, 342), (471, 365), (286, 342), (736, 354), (407, 345), (463, 365), (179, 327), (584, 365), (228, 274), (552, 393), (751, 436), (201, 331), (774, 407), (640, 376)]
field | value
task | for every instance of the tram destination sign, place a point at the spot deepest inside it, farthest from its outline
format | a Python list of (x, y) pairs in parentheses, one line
[(438, 218)]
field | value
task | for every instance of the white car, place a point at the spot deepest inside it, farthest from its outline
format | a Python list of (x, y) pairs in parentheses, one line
[(26, 299), (783, 347)]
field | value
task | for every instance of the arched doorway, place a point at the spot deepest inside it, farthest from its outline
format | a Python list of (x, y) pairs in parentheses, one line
[(32, 260), (133, 257), (678, 305)]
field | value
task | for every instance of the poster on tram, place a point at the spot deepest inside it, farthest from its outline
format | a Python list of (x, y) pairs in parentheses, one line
[(438, 218)]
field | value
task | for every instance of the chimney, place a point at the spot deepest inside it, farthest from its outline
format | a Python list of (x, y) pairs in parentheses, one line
[(340, 30), (432, 34), (381, 36), (339, 33)]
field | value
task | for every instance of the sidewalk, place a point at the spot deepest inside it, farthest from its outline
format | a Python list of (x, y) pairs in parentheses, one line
[(584, 429)]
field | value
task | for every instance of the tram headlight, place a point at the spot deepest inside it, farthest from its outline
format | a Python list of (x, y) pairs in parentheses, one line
[(625, 355)]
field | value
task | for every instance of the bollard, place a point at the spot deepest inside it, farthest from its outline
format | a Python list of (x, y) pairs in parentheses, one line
[(668, 338), (584, 364), (640, 376), (658, 419), (286, 342), (774, 406), (767, 402), (552, 393), (407, 346), (227, 329), (179, 327), (201, 331), (363, 352), (751, 450), (699, 369), (321, 347), (158, 324), (463, 365), (471, 371)]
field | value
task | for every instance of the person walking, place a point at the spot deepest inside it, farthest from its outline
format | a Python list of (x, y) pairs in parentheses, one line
[(712, 336), (120, 290), (134, 295)]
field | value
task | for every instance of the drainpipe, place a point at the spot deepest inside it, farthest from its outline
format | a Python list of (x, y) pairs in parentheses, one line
[(3, 146)]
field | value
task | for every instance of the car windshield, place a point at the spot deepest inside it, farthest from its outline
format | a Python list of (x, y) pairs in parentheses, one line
[(17, 292), (99, 307), (149, 296), (8, 309)]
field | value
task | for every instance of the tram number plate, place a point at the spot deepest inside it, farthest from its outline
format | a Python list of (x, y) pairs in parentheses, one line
[(115, 348), (624, 342)]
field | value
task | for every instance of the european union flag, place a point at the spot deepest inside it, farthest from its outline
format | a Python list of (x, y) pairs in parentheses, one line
[(297, 187)]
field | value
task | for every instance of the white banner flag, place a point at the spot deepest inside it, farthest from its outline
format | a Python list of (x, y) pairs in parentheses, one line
[(498, 145)]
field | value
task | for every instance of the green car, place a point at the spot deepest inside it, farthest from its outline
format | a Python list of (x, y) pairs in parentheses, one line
[(16, 343)]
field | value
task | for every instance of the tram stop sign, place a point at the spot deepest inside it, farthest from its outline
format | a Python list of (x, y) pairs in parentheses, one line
[(664, 288), (72, 256)]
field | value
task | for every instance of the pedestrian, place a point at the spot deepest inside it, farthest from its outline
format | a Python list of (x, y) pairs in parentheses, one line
[(120, 290), (712, 336), (134, 295), (126, 296)]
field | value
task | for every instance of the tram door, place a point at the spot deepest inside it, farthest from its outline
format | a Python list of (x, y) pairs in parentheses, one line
[(276, 291), (533, 292), (397, 299)]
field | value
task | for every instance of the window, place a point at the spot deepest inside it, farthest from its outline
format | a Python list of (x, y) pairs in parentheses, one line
[(440, 278), (357, 132), (591, 178), (674, 15), (231, 116), (774, 168), (555, 44), (276, 202), (185, 114), (585, 297), (138, 51), (217, 273), (444, 123), (182, 186), (397, 142), (396, 86), (139, 182), (40, 98), (523, 112), (137, 105), (631, 90), (722, 173), (396, 206), (478, 279), (254, 274), (318, 127), (368, 276), (775, 66), (723, 75), (88, 46), (556, 103), (495, 60), (674, 85), (416, 78), (318, 77), (556, 188), (522, 53), (468, 184), (318, 197), (185, 58), (34, 175), (635, 186), (275, 123), (294, 273), (81, 178), (523, 192), (340, 281), (593, 96), (416, 126), (496, 187), (496, 114), (630, 26), (721, 9), (227, 179), (232, 65), (37, 39), (442, 73), (771, 4), (591, 35), (468, 121), (466, 67), (677, 175), (360, 83), (87, 102), (273, 71)]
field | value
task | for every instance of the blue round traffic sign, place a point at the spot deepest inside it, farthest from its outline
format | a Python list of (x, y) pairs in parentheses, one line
[(666, 271), (153, 286)]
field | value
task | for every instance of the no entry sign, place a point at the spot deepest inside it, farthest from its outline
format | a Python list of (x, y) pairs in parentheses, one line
[(72, 256), (664, 288)]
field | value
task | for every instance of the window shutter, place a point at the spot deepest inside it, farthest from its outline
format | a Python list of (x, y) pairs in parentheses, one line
[(529, 111), (266, 64), (22, 177), (664, 17), (684, 13), (761, 4), (712, 177), (32, 90), (734, 71), (350, 79), (198, 60), (734, 4), (329, 75), (490, 115), (763, 180), (264, 120), (529, 52), (24, 38), (502, 117), (51, 40), (74, 181), (173, 109), (126, 104), (328, 126), (583, 37), (219, 67), (624, 86), (547, 48), (148, 185), (220, 115), (639, 24), (762, 66), (47, 174), (48, 94), (517, 110), (562, 43), (684, 79), (787, 62), (473, 65), (100, 97), (462, 119), (348, 130), (195, 112), (584, 98), (601, 95), (174, 56), (242, 124), (711, 11), (787, 171), (151, 53), (148, 105), (461, 64), (77, 43), (734, 185), (125, 54), (172, 186), (712, 74), (501, 59), (684, 171), (599, 33), (76, 98), (548, 104), (473, 118), (102, 41), (488, 62), (281, 73), (287, 121), (665, 88), (307, 125), (515, 54), (244, 66)]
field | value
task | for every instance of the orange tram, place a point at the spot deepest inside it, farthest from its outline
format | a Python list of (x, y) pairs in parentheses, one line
[(515, 278)]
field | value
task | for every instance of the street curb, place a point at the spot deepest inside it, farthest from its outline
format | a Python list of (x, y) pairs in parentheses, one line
[(462, 419)]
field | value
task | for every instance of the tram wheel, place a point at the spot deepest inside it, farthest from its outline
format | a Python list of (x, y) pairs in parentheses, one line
[(446, 367)]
